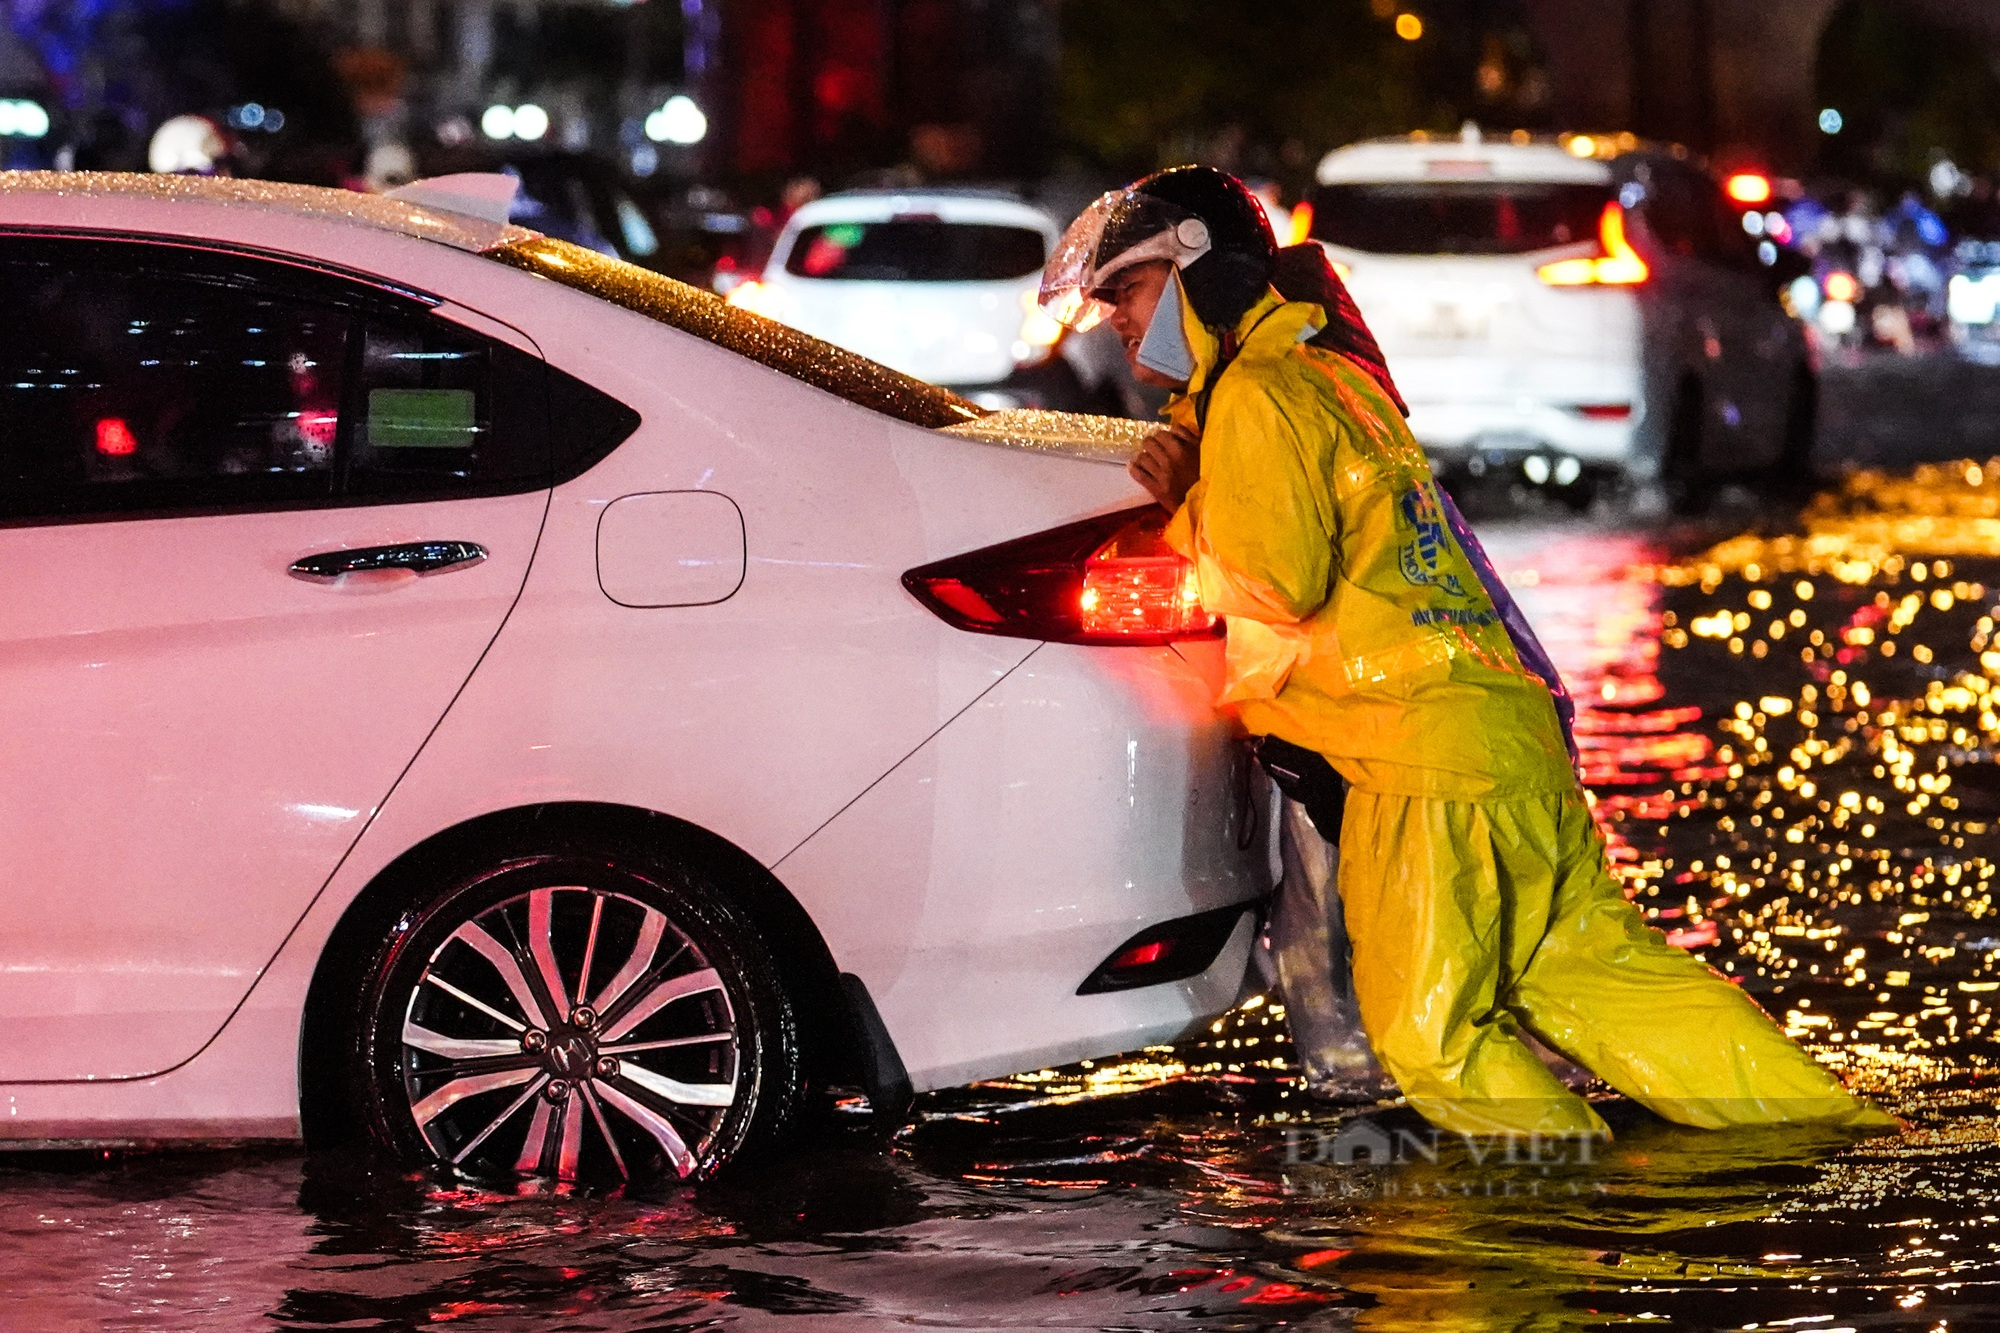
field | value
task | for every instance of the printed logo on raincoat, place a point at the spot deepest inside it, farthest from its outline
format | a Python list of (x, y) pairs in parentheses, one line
[(1424, 550)]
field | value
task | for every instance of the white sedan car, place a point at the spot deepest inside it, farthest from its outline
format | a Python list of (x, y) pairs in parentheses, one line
[(943, 285), (466, 690), (1572, 311)]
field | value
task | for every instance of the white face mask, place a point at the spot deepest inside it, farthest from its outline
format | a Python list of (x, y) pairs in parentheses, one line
[(1164, 350)]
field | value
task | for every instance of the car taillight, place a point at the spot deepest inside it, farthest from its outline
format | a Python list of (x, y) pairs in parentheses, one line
[(1106, 580), (1748, 187), (115, 438), (1136, 584), (1619, 265), (1040, 334), (1302, 223)]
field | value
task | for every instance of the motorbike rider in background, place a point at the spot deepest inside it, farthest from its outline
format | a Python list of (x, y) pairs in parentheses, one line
[(1365, 626)]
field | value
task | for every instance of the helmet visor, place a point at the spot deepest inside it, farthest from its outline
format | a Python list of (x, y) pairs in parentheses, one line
[(1123, 228)]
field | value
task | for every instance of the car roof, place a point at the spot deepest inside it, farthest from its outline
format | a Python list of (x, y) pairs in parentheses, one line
[(458, 230), (946, 205), (1445, 160)]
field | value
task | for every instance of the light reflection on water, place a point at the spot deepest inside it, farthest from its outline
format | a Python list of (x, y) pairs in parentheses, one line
[(1790, 741)]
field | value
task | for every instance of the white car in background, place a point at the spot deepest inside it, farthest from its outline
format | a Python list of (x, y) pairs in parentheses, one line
[(939, 284), (463, 689), (1571, 311)]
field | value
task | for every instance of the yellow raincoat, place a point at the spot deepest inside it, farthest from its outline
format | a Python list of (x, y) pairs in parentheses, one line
[(1476, 892)]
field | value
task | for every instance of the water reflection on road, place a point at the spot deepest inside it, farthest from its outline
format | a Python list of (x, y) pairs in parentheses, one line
[(1790, 738)]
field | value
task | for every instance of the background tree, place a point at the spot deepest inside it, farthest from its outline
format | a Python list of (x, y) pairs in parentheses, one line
[(1149, 82), (1909, 92), (1265, 89)]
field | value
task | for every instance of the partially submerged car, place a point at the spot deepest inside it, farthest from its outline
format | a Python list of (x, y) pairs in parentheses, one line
[(468, 691)]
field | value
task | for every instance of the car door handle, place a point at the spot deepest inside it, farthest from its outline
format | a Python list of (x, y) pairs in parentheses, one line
[(417, 557)]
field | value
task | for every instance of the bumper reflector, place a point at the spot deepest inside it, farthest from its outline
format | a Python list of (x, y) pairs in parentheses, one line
[(1174, 950)]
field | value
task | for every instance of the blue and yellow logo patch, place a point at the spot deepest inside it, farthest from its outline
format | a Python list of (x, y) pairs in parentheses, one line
[(1427, 545)]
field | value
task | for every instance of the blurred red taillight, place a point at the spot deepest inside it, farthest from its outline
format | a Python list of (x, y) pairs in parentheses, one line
[(1619, 265), (1106, 580), (1748, 187), (115, 438)]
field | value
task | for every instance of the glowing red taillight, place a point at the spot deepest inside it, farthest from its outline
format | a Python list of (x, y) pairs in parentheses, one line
[(115, 438), (1748, 187), (1106, 580), (1619, 265), (1137, 584)]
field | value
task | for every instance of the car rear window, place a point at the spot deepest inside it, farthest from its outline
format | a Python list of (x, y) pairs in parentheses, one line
[(1457, 217), (923, 249)]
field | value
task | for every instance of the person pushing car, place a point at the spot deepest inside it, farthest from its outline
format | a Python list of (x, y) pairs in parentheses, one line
[(1365, 626)]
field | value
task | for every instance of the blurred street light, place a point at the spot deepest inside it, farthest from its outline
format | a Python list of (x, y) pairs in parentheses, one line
[(677, 121), (1947, 180), (530, 122), (1409, 27), (256, 116), (526, 122), (23, 119), (1830, 121)]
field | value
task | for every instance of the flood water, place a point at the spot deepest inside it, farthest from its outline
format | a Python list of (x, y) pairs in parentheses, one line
[(1790, 738)]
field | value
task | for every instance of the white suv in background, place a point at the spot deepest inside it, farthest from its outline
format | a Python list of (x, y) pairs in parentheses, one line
[(941, 285), (1571, 311)]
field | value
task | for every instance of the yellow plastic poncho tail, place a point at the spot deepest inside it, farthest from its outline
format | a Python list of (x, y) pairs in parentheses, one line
[(1477, 895)]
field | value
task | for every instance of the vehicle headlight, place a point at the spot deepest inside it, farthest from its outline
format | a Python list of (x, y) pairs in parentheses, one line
[(760, 298), (1040, 333)]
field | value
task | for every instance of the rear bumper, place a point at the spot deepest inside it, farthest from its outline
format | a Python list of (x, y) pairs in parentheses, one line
[(1457, 433), (1512, 402), (1092, 793)]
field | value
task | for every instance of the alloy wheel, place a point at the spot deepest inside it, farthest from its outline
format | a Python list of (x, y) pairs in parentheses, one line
[(573, 1032)]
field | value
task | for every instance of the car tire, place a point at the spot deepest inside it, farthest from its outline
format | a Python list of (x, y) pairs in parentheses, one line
[(1689, 489), (593, 1014), (1794, 474), (1579, 495)]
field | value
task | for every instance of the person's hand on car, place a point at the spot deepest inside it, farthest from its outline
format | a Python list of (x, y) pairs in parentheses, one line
[(1168, 465)]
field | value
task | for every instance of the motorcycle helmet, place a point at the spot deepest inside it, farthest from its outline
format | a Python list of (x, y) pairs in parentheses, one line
[(1201, 220)]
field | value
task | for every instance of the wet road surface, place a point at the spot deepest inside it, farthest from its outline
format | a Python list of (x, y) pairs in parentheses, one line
[(1789, 733)]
